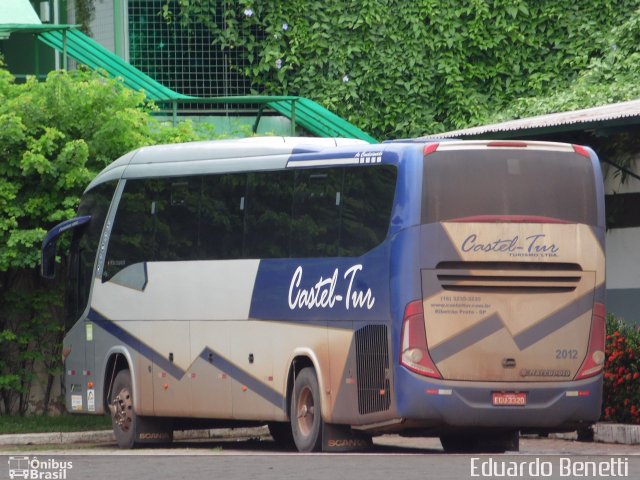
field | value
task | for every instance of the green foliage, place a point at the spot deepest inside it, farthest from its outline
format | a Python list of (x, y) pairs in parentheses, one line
[(621, 401), (55, 137), (85, 13), (610, 77), (399, 69)]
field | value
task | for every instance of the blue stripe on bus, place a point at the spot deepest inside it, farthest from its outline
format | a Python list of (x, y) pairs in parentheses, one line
[(494, 323), (217, 360), (555, 321), (472, 335), (323, 289), (243, 377), (135, 343)]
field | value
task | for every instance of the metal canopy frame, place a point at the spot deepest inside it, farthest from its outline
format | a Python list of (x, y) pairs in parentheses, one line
[(7, 29)]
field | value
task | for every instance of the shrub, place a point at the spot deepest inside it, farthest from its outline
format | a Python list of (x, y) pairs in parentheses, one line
[(621, 400), (55, 136)]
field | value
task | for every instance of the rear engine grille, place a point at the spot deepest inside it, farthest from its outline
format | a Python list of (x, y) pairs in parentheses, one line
[(372, 357), (520, 277)]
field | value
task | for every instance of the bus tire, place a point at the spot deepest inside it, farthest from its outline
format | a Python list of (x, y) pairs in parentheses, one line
[(281, 433), (306, 412), (123, 415)]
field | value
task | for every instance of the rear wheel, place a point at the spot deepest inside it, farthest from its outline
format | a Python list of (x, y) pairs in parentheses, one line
[(123, 415), (306, 414)]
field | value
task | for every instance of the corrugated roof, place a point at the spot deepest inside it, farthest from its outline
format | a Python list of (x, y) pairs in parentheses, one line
[(553, 121)]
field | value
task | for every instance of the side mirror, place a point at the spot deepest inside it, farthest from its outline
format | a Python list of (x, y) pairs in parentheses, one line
[(47, 269)]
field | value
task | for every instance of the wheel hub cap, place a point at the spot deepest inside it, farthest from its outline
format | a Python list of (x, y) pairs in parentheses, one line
[(122, 409)]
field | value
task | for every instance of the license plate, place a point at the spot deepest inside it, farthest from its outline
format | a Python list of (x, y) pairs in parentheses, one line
[(509, 399)]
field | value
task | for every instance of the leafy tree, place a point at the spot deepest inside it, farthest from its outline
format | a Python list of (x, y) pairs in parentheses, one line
[(55, 137)]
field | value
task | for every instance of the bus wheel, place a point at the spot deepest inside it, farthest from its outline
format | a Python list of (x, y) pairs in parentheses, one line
[(306, 414), (123, 416), (281, 433)]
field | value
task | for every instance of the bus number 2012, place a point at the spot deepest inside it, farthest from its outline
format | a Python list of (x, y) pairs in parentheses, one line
[(565, 354)]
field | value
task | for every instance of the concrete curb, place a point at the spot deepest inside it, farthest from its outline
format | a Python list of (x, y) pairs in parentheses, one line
[(616, 433), (608, 433), (106, 436), (602, 433)]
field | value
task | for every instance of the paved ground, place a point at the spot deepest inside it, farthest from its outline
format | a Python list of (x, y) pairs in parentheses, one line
[(256, 441), (603, 434), (257, 457)]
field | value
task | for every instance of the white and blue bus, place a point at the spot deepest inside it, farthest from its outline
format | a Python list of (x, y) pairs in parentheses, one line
[(336, 290)]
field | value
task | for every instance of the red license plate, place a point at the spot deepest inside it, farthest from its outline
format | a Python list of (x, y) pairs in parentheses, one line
[(509, 399)]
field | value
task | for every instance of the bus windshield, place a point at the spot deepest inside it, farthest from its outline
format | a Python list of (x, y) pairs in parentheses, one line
[(82, 254)]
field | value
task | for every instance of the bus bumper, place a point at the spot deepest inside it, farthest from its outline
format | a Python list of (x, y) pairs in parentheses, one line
[(429, 403)]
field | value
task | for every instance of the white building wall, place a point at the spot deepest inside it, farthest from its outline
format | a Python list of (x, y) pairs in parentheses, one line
[(102, 26), (623, 256), (613, 181)]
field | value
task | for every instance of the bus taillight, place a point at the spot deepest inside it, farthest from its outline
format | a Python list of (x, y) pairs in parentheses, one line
[(507, 143), (415, 355), (581, 150), (594, 362), (430, 148)]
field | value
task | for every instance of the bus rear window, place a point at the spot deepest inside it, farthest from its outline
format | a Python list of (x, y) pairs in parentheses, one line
[(468, 183)]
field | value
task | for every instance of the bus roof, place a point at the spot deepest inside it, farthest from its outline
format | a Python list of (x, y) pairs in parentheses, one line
[(273, 153), (214, 156)]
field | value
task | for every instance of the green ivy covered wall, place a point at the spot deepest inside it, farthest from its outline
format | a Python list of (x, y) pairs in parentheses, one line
[(399, 68)]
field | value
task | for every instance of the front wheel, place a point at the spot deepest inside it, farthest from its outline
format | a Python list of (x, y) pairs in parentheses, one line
[(123, 415), (306, 414)]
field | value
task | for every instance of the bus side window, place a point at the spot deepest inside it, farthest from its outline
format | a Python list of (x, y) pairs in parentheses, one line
[(366, 210), (313, 212), (315, 224), (131, 238), (268, 215), (176, 219), (222, 216)]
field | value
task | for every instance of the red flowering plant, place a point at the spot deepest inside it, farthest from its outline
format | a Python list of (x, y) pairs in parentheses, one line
[(621, 396)]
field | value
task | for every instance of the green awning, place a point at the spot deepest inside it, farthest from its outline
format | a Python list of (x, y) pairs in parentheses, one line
[(9, 28), (20, 17), (18, 11)]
